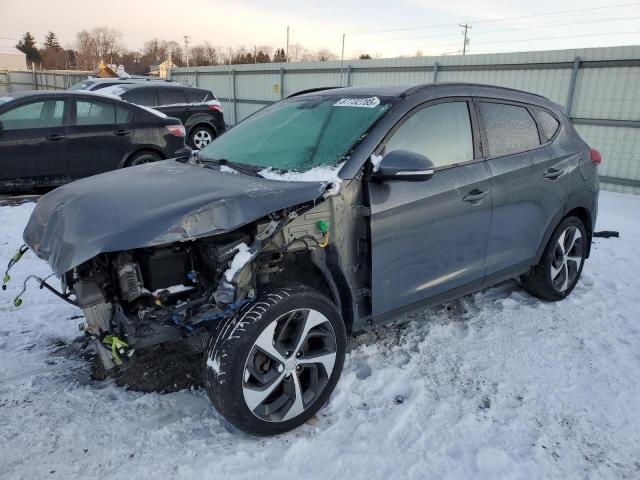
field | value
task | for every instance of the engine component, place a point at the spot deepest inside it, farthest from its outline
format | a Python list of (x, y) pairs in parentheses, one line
[(98, 322), (130, 281), (164, 268)]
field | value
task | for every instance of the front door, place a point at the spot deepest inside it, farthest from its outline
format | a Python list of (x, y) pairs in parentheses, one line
[(33, 143), (429, 237)]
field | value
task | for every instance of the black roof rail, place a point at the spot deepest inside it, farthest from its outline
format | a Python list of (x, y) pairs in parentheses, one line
[(310, 90), (424, 86)]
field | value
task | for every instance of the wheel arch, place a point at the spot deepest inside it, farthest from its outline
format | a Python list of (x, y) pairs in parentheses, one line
[(585, 217), (200, 120), (317, 275), (137, 151)]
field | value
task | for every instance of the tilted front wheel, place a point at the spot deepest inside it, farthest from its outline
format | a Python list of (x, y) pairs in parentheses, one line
[(275, 364), (561, 265)]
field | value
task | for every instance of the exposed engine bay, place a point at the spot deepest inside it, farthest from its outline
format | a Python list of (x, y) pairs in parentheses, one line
[(138, 298)]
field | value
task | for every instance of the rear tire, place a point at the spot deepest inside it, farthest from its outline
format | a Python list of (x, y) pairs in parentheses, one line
[(140, 158), (275, 364), (561, 265), (200, 136)]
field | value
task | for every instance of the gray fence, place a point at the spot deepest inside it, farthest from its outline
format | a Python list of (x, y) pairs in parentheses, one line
[(600, 87), (15, 81)]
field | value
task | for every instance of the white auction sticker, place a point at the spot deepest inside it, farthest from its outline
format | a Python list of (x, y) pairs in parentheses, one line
[(370, 102)]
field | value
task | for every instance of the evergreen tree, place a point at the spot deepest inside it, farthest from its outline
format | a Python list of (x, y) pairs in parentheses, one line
[(51, 41), (28, 46)]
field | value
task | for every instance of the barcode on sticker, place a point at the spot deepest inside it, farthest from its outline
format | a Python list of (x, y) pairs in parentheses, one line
[(358, 102)]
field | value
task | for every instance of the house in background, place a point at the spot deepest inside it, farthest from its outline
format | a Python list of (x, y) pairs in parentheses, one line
[(162, 70), (12, 59)]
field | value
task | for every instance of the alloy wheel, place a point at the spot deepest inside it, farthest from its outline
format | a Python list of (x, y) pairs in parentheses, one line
[(567, 259), (202, 138), (289, 365)]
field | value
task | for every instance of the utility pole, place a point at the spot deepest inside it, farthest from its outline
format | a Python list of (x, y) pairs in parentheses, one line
[(187, 38), (466, 27), (287, 59)]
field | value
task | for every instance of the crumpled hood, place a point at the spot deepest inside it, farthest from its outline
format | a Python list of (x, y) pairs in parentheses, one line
[(152, 204)]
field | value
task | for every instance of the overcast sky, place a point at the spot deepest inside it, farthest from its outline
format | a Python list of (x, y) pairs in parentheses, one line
[(378, 27)]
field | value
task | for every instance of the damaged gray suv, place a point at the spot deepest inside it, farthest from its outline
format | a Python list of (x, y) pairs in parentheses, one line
[(326, 213)]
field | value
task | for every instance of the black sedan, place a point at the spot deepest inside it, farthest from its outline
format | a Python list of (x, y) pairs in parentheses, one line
[(48, 138)]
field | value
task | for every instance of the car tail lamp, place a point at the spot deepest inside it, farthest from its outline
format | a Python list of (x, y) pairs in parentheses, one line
[(596, 158), (214, 105), (176, 130)]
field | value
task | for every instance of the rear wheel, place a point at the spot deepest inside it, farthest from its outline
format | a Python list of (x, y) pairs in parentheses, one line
[(142, 157), (275, 364), (559, 270), (200, 137)]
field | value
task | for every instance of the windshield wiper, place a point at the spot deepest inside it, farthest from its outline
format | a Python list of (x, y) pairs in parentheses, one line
[(240, 167)]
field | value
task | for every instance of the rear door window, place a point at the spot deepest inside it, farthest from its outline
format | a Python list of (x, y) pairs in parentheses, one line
[(508, 129), (92, 112), (42, 114), (171, 96), (140, 96), (441, 132), (548, 124)]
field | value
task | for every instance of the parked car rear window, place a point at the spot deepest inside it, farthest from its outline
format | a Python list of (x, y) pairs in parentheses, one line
[(196, 96), (91, 112), (548, 123), (43, 114), (171, 96), (298, 134), (82, 85), (508, 129), (441, 132), (140, 96)]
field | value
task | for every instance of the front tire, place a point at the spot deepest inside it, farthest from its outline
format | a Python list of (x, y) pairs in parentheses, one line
[(561, 265), (275, 364)]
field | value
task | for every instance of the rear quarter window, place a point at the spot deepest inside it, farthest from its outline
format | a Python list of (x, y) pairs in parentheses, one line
[(548, 124), (197, 96), (508, 129)]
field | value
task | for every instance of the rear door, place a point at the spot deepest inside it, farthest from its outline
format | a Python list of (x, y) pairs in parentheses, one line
[(428, 238), (512, 143), (33, 142), (99, 136), (173, 102)]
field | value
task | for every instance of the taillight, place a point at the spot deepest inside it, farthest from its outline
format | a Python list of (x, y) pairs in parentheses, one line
[(176, 130), (214, 105), (596, 158)]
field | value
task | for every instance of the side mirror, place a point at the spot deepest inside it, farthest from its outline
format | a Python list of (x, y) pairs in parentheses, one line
[(405, 165)]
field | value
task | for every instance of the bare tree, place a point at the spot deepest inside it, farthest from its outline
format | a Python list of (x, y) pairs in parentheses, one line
[(101, 44)]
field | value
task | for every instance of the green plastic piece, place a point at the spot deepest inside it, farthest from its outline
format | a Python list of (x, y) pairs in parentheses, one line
[(17, 302), (323, 226)]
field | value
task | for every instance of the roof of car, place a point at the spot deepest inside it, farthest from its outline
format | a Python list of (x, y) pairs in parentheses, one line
[(448, 88), (131, 86)]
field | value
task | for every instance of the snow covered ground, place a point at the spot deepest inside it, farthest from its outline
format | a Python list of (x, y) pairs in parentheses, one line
[(498, 385)]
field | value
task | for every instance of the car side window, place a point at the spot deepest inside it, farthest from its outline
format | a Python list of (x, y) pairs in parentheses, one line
[(171, 96), (196, 96), (140, 96), (508, 128), (42, 114), (92, 112), (123, 115), (441, 132), (548, 124)]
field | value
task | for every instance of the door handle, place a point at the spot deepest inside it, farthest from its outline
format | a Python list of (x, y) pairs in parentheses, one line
[(54, 137), (553, 173), (121, 133), (475, 196)]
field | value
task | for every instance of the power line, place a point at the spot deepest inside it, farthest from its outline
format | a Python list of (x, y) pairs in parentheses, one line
[(481, 32), (500, 19)]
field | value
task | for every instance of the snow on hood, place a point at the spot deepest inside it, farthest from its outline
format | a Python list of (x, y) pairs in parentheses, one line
[(328, 175)]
